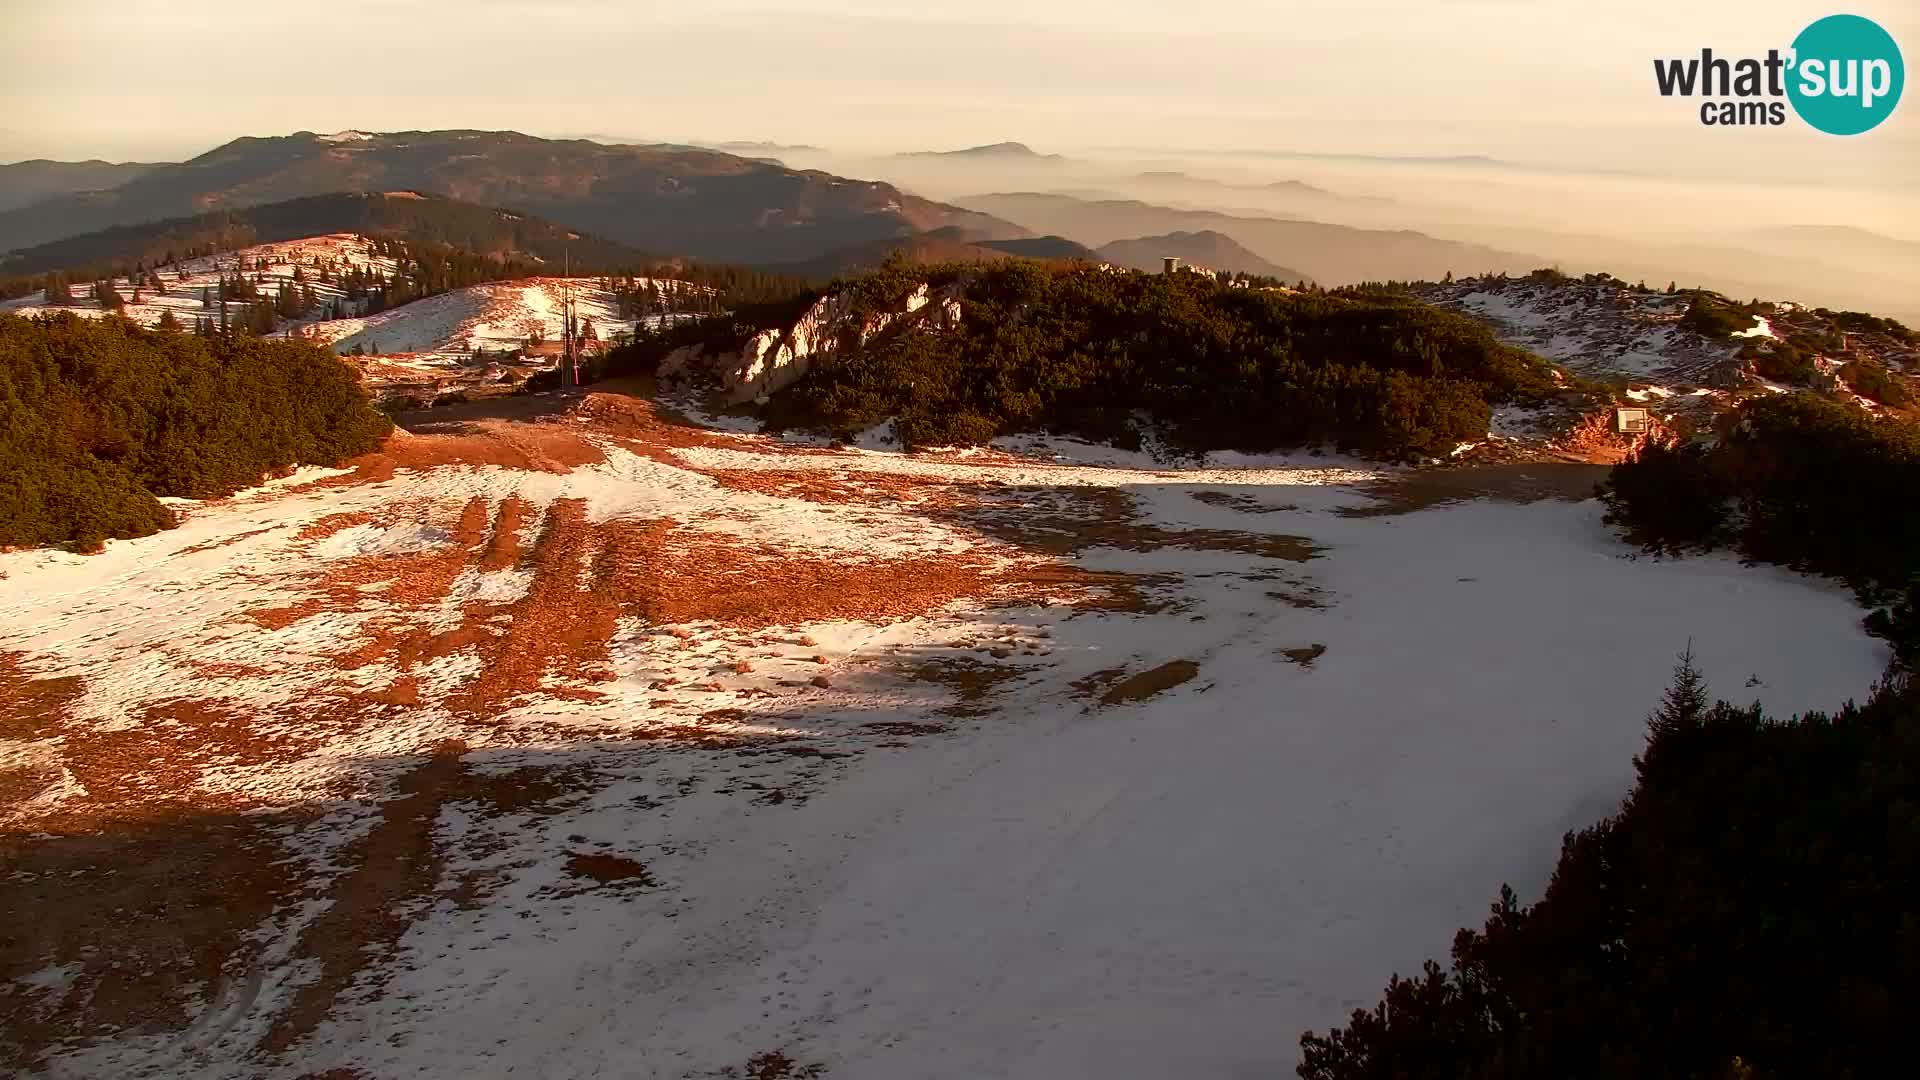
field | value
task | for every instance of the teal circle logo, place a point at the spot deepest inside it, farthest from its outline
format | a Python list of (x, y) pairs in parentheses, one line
[(1847, 75)]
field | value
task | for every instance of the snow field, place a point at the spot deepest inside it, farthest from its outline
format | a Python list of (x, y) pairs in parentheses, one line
[(1052, 886)]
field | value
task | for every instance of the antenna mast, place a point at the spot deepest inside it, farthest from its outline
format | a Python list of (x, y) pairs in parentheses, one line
[(570, 359)]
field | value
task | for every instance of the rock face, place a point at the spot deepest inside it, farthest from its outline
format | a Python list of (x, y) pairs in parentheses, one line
[(775, 358)]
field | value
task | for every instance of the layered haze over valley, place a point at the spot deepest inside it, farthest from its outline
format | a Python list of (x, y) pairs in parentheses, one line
[(784, 541)]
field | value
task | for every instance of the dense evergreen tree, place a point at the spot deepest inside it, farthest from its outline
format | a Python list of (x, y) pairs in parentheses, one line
[(1085, 351), (97, 417), (1747, 915), (1796, 479)]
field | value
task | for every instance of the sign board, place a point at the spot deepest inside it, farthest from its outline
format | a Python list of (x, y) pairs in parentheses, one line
[(1630, 421)]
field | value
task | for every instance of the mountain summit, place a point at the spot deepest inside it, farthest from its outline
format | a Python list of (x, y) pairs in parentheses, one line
[(1000, 151)]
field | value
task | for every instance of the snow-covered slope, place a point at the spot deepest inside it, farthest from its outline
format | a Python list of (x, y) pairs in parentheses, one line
[(496, 317), (194, 293), (1601, 330), (604, 746)]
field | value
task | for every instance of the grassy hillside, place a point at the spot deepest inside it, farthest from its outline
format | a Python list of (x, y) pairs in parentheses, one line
[(97, 417)]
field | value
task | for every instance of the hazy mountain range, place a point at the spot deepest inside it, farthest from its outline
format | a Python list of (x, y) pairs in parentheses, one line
[(719, 206), (1212, 250), (702, 203), (24, 183), (1322, 252), (1002, 152)]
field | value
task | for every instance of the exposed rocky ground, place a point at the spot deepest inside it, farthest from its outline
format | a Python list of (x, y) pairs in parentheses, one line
[(1633, 340)]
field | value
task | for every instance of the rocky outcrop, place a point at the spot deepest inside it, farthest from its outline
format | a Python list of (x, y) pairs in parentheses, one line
[(773, 359)]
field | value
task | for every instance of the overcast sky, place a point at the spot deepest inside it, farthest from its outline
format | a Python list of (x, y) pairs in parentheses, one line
[(1541, 81)]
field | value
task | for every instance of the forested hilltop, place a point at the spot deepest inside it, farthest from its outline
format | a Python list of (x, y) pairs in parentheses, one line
[(97, 417), (445, 244), (1093, 352)]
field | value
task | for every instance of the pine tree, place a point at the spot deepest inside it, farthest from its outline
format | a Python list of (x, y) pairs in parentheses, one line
[(1685, 702), (167, 324)]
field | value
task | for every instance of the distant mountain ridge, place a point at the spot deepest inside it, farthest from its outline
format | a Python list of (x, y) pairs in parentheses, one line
[(479, 230), (1329, 254), (24, 183), (673, 200), (1290, 187), (1000, 151), (948, 245), (1207, 249)]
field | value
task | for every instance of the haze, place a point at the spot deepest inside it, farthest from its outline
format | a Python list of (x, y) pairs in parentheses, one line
[(1552, 82), (1605, 174)]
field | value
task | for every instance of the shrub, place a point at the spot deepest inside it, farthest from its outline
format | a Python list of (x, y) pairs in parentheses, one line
[(1898, 624), (1779, 362), (1814, 484), (1668, 500), (1871, 379), (1083, 351), (1715, 316)]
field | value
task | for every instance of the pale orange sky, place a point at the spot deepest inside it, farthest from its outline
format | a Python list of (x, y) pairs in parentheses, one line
[(1563, 82)]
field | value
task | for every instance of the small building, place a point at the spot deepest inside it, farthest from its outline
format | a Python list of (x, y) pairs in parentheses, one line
[(1630, 421), (1171, 265)]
